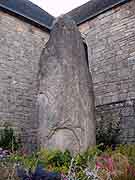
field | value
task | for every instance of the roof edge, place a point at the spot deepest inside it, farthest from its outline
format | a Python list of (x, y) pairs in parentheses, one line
[(102, 11), (98, 12), (47, 28), (26, 18)]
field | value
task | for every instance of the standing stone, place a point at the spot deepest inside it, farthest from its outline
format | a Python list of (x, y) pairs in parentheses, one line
[(66, 102)]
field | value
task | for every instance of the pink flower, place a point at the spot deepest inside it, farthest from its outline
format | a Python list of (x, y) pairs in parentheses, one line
[(105, 162), (98, 165), (131, 170), (110, 164)]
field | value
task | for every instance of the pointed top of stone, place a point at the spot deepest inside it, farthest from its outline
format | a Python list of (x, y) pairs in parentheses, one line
[(64, 26), (64, 20), (65, 34)]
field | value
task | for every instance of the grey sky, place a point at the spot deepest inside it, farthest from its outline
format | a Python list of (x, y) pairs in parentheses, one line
[(58, 7)]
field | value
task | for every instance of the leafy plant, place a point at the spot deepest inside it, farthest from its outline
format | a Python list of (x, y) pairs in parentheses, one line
[(55, 160), (107, 136), (8, 140), (93, 164)]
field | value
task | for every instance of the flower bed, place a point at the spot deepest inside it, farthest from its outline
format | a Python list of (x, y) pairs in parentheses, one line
[(118, 164)]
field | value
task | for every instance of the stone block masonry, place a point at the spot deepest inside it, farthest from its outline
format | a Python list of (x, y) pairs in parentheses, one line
[(20, 48), (110, 38), (111, 47), (121, 114)]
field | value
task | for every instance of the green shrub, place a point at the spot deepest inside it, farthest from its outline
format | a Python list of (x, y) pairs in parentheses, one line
[(107, 136), (52, 160), (29, 162), (8, 140), (55, 160)]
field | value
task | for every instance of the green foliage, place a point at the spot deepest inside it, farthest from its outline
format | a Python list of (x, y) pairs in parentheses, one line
[(8, 139), (107, 136), (127, 150), (117, 164), (88, 156), (29, 162), (52, 160), (55, 160)]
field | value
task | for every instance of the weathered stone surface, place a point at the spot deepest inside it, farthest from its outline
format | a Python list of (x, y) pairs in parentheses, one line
[(66, 104)]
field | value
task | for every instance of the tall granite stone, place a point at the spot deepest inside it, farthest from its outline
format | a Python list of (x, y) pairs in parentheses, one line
[(66, 101)]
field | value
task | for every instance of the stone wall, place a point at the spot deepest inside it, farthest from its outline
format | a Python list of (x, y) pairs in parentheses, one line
[(110, 39), (111, 47), (119, 115), (20, 48)]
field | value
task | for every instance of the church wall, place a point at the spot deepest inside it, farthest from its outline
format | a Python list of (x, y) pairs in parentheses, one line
[(110, 38), (111, 47), (20, 48)]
